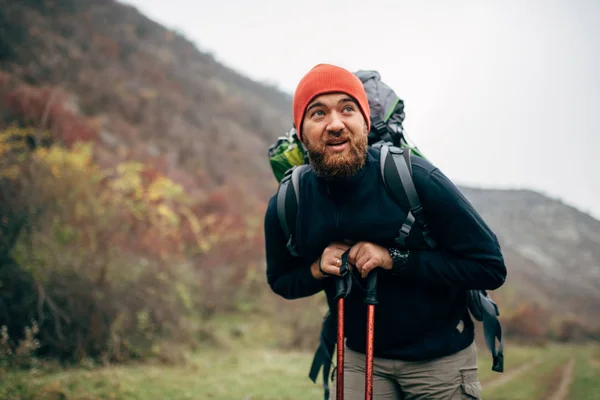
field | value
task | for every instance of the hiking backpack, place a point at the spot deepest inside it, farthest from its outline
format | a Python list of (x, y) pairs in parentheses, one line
[(288, 157)]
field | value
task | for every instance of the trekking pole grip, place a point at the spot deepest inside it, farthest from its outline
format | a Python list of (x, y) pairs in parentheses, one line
[(341, 284), (371, 296), (340, 287)]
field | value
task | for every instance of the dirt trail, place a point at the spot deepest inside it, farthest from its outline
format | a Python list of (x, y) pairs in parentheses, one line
[(511, 375), (565, 381)]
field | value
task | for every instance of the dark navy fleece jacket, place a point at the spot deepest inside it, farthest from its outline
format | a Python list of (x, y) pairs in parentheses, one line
[(420, 308)]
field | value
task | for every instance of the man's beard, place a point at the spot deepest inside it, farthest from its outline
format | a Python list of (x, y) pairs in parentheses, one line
[(338, 165)]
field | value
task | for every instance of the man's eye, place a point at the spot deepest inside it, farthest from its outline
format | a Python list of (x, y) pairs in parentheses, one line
[(317, 113), (348, 108)]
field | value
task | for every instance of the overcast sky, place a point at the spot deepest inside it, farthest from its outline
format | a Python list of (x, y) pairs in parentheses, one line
[(502, 94)]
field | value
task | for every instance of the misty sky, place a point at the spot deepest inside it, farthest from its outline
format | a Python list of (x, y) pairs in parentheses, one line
[(497, 94)]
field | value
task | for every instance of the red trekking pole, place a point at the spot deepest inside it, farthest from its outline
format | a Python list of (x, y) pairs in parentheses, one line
[(342, 288), (340, 293), (371, 300)]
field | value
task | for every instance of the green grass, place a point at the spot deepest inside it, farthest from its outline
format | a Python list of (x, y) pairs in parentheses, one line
[(210, 374), (252, 367), (586, 379)]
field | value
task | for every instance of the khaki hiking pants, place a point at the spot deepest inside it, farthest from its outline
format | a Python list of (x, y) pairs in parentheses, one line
[(448, 378)]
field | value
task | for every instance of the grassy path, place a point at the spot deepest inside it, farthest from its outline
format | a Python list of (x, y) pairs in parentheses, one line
[(533, 383), (555, 372), (586, 379), (566, 377)]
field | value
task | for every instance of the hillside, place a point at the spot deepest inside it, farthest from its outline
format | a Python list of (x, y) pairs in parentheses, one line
[(552, 249), (141, 92), (149, 93)]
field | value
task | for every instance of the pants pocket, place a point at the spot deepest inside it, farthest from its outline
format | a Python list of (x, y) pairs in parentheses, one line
[(470, 385)]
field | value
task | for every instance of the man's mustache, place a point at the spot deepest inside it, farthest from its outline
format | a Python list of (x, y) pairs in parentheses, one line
[(337, 138)]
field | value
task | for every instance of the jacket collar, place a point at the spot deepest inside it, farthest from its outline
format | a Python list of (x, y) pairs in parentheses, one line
[(344, 184)]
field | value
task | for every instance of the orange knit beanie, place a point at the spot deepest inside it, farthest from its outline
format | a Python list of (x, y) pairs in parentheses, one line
[(326, 78)]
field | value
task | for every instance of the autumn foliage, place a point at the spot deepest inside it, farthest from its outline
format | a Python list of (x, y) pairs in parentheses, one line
[(111, 262), (529, 321)]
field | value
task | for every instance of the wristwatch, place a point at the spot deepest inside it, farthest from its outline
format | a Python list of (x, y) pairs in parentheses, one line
[(399, 259)]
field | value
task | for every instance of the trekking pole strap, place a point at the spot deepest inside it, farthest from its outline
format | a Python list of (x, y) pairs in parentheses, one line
[(343, 284)]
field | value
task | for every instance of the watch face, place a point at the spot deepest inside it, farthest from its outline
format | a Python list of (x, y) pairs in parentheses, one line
[(398, 255)]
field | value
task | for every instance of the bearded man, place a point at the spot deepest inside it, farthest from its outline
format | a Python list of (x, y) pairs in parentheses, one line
[(424, 340)]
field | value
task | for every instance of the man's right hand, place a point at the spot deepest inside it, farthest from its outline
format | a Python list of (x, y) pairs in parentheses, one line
[(330, 261)]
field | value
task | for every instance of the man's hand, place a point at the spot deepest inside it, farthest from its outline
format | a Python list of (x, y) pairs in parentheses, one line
[(365, 256), (330, 261)]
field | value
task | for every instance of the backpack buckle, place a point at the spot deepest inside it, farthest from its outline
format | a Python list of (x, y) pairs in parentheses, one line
[(417, 210), (379, 125), (395, 150), (403, 234), (287, 174)]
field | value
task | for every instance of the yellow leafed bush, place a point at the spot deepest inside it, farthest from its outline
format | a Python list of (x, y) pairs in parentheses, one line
[(109, 247)]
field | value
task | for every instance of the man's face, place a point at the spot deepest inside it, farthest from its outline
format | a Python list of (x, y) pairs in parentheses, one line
[(334, 133)]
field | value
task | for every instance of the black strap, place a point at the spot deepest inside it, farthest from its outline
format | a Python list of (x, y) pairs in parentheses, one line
[(287, 205), (296, 180), (281, 196), (344, 283), (492, 330), (392, 174), (378, 125), (324, 353), (397, 175), (484, 309)]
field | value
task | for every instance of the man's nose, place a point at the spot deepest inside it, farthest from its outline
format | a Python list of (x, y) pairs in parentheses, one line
[(335, 123)]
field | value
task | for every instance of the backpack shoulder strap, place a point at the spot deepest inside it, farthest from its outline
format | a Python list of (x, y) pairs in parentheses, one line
[(288, 196), (396, 172)]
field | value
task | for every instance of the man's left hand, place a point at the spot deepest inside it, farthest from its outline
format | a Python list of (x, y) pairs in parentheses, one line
[(365, 256)]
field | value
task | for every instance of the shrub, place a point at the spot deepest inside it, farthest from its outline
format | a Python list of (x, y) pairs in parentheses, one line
[(105, 266), (572, 328), (528, 322), (21, 353)]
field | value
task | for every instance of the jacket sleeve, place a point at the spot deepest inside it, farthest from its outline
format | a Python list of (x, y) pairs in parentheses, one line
[(288, 276), (468, 254)]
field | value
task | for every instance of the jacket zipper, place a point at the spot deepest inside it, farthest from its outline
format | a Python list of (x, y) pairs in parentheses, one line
[(336, 214)]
